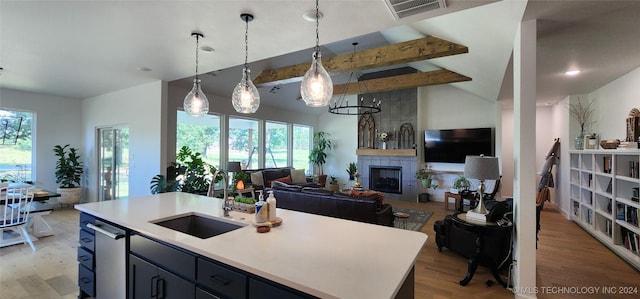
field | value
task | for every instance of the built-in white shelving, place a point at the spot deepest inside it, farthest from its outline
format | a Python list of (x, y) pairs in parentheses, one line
[(604, 198)]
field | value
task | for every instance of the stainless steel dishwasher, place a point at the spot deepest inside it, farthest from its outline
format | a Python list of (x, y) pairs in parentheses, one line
[(110, 259)]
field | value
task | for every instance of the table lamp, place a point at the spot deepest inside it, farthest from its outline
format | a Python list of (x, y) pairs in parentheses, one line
[(235, 167), (481, 168)]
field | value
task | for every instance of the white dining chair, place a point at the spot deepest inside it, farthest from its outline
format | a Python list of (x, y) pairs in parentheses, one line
[(14, 216)]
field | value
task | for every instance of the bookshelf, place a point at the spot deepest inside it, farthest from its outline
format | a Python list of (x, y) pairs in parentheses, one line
[(604, 196)]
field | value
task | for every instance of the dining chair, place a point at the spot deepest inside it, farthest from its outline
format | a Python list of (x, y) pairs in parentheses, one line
[(15, 213)]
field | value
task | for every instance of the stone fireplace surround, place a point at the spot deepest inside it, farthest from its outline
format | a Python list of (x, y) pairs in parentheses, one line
[(409, 182), (398, 107)]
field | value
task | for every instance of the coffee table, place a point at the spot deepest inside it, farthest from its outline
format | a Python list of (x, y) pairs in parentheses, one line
[(402, 218)]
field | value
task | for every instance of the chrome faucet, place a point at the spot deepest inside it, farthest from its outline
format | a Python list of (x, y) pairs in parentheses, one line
[(226, 203)]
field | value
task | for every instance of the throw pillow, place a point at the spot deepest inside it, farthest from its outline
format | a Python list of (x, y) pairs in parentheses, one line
[(298, 176), (286, 180), (277, 185), (256, 178)]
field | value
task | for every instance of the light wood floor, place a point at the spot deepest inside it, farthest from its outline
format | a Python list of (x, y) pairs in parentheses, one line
[(567, 257)]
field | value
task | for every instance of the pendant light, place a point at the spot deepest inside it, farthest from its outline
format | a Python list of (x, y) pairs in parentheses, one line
[(316, 88), (245, 97), (196, 102)]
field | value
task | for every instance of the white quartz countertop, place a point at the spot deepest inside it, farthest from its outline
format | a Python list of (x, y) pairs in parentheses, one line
[(322, 256)]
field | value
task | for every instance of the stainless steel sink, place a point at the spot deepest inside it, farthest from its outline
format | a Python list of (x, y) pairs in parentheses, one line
[(199, 226)]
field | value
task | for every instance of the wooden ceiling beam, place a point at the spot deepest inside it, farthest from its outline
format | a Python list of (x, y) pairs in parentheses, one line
[(401, 82), (414, 50)]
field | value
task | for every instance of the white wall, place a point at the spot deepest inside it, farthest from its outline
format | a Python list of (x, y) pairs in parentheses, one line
[(138, 108), (615, 100), (613, 103), (547, 130), (344, 133), (448, 107), (58, 120)]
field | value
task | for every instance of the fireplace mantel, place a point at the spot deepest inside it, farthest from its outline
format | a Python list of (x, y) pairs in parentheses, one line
[(385, 152)]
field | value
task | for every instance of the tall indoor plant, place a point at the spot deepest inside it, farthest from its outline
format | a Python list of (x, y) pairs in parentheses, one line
[(190, 173), (68, 174), (318, 154)]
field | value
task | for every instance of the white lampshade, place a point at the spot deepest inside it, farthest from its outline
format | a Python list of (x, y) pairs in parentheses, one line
[(482, 168), (316, 88)]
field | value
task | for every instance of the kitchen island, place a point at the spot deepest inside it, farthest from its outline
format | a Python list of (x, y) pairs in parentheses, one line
[(320, 256)]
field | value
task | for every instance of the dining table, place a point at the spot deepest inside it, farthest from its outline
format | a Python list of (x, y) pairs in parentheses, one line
[(37, 226)]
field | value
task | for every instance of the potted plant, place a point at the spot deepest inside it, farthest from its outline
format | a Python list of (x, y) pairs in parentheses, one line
[(461, 183), (188, 174), (318, 154), (244, 204), (353, 168), (68, 174), (333, 184), (166, 183), (424, 176), (583, 113)]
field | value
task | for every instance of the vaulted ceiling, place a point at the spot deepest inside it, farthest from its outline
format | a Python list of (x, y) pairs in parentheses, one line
[(81, 49)]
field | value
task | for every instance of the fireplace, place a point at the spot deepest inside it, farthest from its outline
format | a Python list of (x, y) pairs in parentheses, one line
[(385, 179)]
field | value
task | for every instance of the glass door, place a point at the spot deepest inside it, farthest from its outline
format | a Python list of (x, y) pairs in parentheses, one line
[(114, 163)]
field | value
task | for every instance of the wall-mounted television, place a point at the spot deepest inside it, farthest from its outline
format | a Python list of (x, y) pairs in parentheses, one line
[(453, 145)]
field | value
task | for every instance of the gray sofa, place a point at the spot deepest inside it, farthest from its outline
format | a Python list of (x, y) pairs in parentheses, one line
[(320, 201)]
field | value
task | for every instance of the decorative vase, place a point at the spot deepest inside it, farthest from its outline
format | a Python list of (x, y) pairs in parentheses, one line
[(579, 142), (384, 145)]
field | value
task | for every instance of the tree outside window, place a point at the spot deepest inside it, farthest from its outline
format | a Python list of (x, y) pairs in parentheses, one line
[(16, 145), (201, 135), (243, 141), (301, 141), (276, 139)]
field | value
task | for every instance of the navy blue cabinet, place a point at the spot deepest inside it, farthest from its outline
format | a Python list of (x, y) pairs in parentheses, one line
[(161, 270), (86, 262), (262, 290), (147, 280)]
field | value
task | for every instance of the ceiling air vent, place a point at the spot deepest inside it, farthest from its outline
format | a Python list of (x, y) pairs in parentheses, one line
[(405, 8)]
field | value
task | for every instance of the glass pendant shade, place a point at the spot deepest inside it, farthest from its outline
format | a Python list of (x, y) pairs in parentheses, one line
[(196, 102), (245, 97), (316, 88)]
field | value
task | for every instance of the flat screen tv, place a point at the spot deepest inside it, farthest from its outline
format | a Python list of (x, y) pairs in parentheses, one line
[(453, 145)]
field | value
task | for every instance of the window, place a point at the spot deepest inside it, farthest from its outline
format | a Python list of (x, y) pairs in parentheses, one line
[(16, 144), (201, 135), (283, 144), (243, 141), (276, 140), (301, 142)]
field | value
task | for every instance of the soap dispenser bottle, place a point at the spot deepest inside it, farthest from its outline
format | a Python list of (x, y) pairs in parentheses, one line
[(271, 203), (262, 210)]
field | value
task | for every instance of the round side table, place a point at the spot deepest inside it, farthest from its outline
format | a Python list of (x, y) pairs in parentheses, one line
[(401, 218)]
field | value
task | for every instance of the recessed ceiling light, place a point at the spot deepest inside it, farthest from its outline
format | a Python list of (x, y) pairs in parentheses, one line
[(572, 72), (207, 49), (311, 15), (143, 69)]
